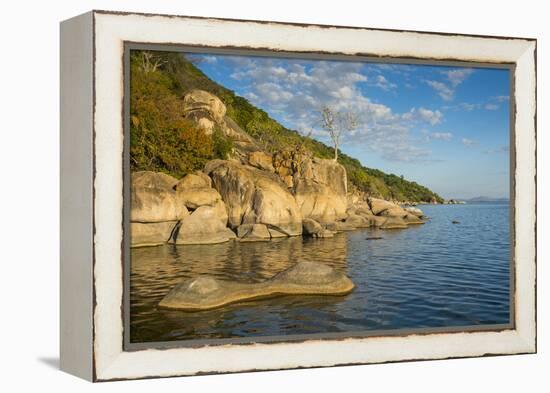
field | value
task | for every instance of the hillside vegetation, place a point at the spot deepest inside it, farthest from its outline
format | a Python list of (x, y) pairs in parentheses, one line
[(162, 140)]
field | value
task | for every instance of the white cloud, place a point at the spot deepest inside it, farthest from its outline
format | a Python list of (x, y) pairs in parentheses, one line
[(251, 96), (501, 149), (492, 104), (455, 77), (272, 92), (491, 107), (442, 89), (295, 90), (210, 59), (440, 136), (469, 106), (432, 117), (444, 136), (468, 142), (500, 98), (384, 84)]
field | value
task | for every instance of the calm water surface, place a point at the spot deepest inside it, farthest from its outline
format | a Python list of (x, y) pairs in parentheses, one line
[(434, 275)]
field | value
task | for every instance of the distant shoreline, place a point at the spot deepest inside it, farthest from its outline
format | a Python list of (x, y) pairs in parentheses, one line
[(466, 202)]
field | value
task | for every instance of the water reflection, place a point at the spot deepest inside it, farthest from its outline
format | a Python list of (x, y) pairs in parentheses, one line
[(434, 275), (155, 270)]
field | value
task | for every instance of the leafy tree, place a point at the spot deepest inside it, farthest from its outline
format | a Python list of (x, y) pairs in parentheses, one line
[(161, 139)]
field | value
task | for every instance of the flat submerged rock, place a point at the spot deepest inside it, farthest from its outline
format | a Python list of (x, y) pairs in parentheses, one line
[(304, 278)]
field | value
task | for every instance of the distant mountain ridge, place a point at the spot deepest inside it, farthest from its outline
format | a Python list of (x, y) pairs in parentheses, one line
[(486, 199)]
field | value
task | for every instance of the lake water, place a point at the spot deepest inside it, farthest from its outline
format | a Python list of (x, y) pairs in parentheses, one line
[(438, 274)]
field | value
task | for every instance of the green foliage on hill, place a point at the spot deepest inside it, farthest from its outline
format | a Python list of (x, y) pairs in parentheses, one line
[(156, 97), (160, 138)]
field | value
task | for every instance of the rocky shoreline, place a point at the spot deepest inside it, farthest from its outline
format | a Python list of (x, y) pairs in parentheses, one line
[(231, 201), (254, 195)]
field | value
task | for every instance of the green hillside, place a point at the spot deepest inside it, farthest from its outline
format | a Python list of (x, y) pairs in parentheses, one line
[(162, 140)]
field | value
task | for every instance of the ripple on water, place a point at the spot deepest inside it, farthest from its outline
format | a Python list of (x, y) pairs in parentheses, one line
[(433, 275)]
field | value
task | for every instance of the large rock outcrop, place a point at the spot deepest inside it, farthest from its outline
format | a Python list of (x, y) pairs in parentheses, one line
[(319, 202), (155, 209), (381, 207), (394, 223), (412, 219), (206, 225), (304, 278), (209, 113), (195, 190), (204, 108), (388, 215), (194, 180), (358, 221), (314, 229), (253, 196), (319, 185), (253, 232), (153, 198), (261, 160), (151, 233), (165, 210)]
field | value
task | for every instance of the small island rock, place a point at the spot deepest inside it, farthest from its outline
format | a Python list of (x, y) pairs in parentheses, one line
[(304, 278)]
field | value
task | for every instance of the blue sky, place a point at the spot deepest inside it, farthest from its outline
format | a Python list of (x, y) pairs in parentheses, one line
[(444, 127)]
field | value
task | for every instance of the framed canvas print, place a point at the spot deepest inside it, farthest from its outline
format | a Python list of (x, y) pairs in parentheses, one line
[(246, 195)]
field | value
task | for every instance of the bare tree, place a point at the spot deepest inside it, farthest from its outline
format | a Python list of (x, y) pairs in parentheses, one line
[(336, 123), (150, 62)]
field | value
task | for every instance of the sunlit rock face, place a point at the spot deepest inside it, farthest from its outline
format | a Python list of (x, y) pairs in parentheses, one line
[(314, 229), (195, 190), (208, 112), (253, 232), (394, 223), (151, 234), (155, 210), (204, 108), (205, 225), (261, 160), (320, 186), (153, 198), (253, 196)]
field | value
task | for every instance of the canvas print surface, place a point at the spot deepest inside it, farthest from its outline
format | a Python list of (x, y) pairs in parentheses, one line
[(288, 197)]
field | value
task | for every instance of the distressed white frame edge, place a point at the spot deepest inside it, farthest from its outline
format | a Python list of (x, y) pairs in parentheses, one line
[(111, 30), (76, 193)]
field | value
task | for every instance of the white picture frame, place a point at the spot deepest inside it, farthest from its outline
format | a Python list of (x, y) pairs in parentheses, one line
[(92, 151)]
